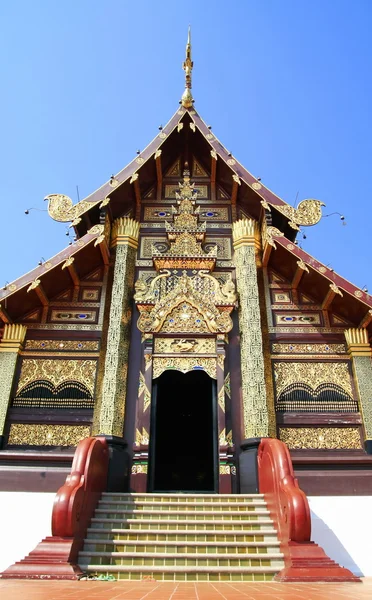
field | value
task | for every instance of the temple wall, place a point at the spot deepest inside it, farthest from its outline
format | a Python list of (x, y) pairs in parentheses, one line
[(53, 394), (316, 400)]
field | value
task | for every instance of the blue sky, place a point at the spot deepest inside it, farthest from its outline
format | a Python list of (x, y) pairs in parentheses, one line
[(285, 84)]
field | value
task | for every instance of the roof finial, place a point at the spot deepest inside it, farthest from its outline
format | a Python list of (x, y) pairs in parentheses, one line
[(187, 99)]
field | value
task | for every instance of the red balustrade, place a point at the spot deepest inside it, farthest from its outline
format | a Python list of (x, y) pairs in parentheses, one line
[(289, 508), (55, 557)]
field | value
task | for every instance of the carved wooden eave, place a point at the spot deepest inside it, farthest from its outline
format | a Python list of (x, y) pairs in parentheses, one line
[(37, 287), (330, 290)]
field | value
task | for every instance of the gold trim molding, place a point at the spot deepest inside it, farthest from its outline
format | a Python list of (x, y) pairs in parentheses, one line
[(125, 231), (13, 338), (357, 342)]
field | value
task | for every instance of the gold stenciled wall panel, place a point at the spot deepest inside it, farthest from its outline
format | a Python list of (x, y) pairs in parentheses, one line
[(58, 371), (313, 374), (25, 434), (317, 438)]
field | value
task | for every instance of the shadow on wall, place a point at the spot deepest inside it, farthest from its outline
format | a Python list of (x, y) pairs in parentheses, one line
[(323, 535)]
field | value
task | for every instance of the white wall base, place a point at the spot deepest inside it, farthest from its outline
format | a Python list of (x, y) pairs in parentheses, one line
[(25, 519), (342, 525)]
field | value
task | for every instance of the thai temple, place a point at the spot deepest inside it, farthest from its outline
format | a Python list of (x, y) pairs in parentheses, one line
[(193, 372)]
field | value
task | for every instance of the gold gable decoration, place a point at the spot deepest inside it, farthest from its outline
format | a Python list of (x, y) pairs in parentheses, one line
[(184, 303)]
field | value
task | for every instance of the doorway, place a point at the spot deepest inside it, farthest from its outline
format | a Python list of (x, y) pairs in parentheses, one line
[(183, 434)]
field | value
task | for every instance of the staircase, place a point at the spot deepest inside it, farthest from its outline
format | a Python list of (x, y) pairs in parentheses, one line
[(182, 537)]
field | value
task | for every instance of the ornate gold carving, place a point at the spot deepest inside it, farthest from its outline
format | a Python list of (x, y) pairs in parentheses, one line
[(227, 386), (185, 345), (139, 469), (68, 262), (96, 230), (225, 469), (331, 438), (63, 345), (185, 364), (313, 374), (143, 389), (57, 372), (308, 212), (184, 304), (358, 294), (256, 186), (221, 400), (268, 234), (302, 265), (47, 435), (62, 209), (214, 154), (335, 289), (308, 348), (255, 414), (125, 231), (171, 191), (33, 285), (181, 312)]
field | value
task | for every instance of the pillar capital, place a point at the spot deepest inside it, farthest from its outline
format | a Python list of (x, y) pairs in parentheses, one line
[(246, 233), (125, 232), (357, 342), (13, 338)]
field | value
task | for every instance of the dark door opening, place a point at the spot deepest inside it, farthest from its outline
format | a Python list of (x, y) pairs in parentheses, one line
[(183, 437)]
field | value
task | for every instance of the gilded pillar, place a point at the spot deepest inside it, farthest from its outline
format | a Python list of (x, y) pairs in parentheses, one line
[(10, 346), (246, 241), (360, 352), (109, 418)]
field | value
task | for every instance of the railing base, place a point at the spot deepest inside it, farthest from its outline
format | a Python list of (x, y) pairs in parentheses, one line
[(51, 559), (307, 562)]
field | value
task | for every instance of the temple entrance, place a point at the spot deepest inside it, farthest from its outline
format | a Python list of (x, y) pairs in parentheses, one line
[(183, 438)]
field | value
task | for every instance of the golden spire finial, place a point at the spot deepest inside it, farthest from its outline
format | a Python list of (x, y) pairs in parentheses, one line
[(187, 99)]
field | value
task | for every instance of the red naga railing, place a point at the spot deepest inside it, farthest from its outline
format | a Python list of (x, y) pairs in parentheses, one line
[(56, 556), (289, 508)]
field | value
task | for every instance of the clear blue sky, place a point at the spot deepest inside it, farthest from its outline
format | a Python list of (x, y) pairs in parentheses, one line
[(286, 85)]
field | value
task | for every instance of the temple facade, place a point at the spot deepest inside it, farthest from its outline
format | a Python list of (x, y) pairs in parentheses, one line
[(184, 320)]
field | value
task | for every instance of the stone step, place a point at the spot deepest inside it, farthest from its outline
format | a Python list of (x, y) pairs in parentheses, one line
[(186, 506), (235, 547), (185, 498), (179, 535), (183, 573), (169, 559), (200, 514), (202, 524)]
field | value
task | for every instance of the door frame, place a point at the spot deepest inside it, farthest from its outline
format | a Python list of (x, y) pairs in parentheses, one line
[(153, 433)]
